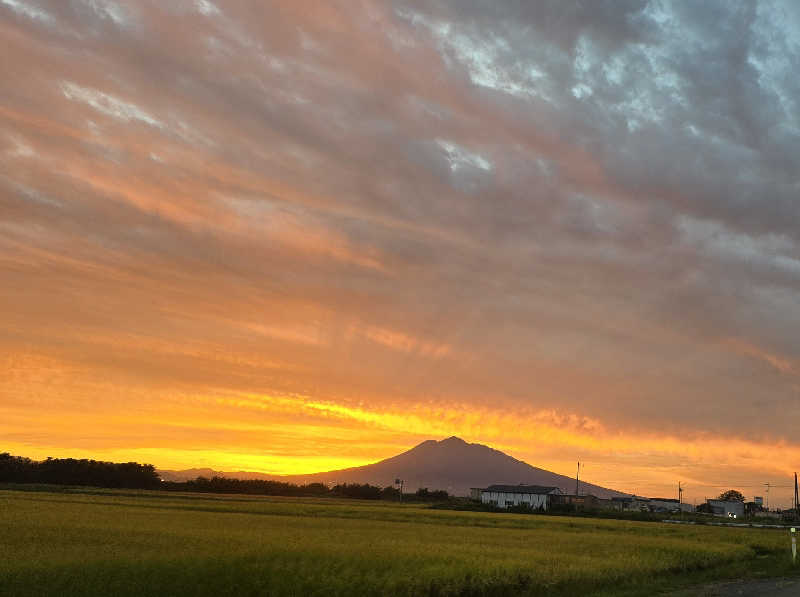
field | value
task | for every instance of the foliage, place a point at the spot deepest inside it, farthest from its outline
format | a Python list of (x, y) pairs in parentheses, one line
[(279, 488), (524, 508), (390, 493), (731, 495), (425, 494), (68, 471), (354, 490), (132, 475), (247, 487)]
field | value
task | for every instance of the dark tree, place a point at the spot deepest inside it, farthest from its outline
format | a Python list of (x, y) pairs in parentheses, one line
[(132, 475), (249, 486), (362, 492), (440, 495), (390, 493), (731, 496), (69, 471)]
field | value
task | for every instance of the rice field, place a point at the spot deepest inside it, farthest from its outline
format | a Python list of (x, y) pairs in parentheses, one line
[(154, 543)]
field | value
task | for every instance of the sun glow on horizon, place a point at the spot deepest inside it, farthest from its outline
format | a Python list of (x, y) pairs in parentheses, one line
[(326, 435)]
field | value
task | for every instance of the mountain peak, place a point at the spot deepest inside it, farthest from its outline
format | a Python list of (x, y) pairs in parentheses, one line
[(451, 464), (453, 440)]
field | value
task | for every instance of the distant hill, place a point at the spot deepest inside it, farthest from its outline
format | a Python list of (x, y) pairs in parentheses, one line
[(451, 464)]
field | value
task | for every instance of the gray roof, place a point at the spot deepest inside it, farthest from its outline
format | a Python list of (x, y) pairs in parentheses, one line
[(536, 489)]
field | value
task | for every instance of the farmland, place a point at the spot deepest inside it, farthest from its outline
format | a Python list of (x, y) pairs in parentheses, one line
[(97, 542)]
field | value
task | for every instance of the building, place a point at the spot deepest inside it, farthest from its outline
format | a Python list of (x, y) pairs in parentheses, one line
[(731, 509), (669, 505), (579, 502), (507, 496), (582, 502), (753, 508), (632, 503)]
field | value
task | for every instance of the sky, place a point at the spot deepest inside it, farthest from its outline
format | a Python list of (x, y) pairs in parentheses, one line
[(296, 236)]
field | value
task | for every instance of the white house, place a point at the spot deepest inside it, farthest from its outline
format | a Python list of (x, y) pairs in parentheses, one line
[(506, 496)]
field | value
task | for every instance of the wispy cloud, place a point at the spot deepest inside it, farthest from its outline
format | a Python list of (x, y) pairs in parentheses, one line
[(108, 104), (30, 10)]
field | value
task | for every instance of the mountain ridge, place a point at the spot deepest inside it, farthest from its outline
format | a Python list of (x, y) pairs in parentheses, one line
[(451, 464)]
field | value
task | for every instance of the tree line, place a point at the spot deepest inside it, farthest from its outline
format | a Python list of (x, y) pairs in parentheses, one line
[(359, 491), (70, 471), (132, 475), (279, 488)]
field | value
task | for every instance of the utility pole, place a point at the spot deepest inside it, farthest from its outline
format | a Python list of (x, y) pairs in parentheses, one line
[(577, 475), (680, 498), (767, 486), (796, 498)]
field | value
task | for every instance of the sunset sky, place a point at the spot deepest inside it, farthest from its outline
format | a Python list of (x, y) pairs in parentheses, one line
[(296, 236)]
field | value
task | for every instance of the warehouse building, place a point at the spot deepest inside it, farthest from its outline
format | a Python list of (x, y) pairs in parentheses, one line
[(730, 509), (507, 496)]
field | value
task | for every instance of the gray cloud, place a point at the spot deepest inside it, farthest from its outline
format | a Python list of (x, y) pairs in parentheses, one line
[(589, 204)]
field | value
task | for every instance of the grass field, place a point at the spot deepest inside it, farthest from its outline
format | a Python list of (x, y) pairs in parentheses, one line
[(154, 543)]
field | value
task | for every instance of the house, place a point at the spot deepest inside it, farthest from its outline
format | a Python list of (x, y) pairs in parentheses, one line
[(669, 505), (632, 503), (604, 504), (582, 502), (731, 509), (753, 508), (507, 496)]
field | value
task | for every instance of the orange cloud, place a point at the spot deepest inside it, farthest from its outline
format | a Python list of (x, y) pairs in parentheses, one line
[(749, 349), (239, 240), (406, 343)]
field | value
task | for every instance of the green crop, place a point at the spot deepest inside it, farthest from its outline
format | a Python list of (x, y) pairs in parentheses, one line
[(154, 543)]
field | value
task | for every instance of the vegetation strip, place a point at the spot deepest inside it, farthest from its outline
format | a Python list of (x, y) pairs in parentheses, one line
[(98, 545)]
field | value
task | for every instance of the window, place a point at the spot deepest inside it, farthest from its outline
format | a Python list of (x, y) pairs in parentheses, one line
[(509, 503)]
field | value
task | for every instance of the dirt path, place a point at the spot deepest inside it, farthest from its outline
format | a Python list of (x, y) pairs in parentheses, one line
[(781, 587)]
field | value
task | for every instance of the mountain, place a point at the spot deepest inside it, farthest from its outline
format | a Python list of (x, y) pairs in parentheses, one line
[(450, 464)]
